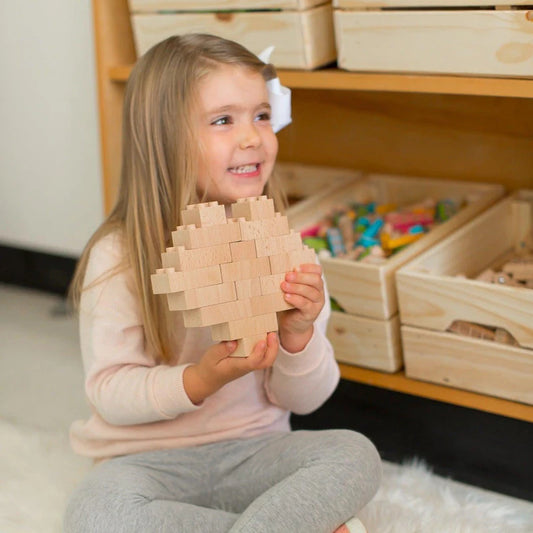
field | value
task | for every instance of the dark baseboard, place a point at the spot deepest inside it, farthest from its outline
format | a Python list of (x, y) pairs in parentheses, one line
[(478, 448), (36, 270)]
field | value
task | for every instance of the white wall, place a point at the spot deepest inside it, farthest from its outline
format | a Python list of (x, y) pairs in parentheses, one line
[(50, 174)]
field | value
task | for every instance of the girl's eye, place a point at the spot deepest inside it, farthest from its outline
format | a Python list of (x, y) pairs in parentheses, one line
[(263, 116), (222, 121)]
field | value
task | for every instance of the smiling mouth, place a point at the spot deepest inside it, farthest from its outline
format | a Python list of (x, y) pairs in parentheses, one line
[(245, 169)]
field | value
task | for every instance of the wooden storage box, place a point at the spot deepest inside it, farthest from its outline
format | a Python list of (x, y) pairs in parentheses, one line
[(432, 296), (368, 334), (301, 30), (461, 39)]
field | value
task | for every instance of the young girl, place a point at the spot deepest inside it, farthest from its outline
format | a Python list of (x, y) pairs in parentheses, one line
[(187, 438)]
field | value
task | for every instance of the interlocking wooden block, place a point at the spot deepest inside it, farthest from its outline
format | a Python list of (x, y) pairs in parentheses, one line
[(253, 208), (246, 345), (278, 244), (259, 229), (270, 284), (242, 250), (288, 261), (192, 237), (210, 295), (206, 214), (519, 270), (219, 271), (246, 288), (245, 327), (167, 280), (249, 268), (179, 258)]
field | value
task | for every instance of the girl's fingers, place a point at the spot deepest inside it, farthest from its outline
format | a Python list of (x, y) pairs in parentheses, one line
[(305, 291)]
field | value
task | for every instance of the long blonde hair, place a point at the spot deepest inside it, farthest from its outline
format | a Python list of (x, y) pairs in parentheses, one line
[(159, 160)]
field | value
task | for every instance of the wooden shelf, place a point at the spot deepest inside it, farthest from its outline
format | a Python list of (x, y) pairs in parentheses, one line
[(400, 383), (335, 79)]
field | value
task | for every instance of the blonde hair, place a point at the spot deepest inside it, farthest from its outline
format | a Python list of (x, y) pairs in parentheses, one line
[(159, 160)]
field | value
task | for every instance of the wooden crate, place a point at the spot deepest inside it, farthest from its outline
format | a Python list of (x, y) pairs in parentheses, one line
[(301, 31), (432, 297), (366, 342), (366, 289), (462, 40)]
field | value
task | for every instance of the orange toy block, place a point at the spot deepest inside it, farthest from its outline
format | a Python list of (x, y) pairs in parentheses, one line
[(194, 298), (206, 214), (270, 284), (289, 260), (246, 288), (242, 250), (253, 208), (167, 280), (246, 345), (180, 258), (250, 268), (192, 237), (278, 244), (245, 327), (260, 229)]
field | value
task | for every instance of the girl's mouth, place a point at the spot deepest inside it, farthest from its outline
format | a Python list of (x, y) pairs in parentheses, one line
[(246, 170)]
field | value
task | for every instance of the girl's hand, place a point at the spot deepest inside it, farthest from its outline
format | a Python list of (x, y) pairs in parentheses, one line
[(217, 367), (304, 289)]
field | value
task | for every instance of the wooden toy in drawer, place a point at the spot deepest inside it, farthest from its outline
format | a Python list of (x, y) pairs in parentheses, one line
[(367, 333), (468, 37), (301, 30), (466, 305)]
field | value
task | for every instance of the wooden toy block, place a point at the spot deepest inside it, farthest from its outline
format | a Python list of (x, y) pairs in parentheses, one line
[(253, 208), (245, 327), (246, 288), (278, 244), (242, 250), (470, 329), (502, 278), (269, 303), (258, 229), (503, 336), (210, 315), (270, 284), (180, 258), (290, 260), (167, 280), (194, 298), (519, 270), (487, 276), (246, 345), (192, 237), (206, 214), (250, 268)]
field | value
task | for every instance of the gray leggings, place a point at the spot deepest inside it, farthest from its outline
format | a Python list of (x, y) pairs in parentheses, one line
[(303, 481)]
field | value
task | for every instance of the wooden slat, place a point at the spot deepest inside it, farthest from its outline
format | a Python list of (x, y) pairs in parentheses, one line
[(336, 79), (399, 383)]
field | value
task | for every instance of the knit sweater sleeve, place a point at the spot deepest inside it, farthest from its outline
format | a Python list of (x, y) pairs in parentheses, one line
[(123, 382), (301, 382)]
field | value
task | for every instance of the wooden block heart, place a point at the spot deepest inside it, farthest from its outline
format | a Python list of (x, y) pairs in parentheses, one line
[(226, 272)]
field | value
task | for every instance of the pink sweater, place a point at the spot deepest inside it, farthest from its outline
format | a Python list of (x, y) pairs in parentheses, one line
[(139, 405)]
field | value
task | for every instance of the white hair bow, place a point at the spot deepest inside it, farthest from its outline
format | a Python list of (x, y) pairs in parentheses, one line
[(279, 96)]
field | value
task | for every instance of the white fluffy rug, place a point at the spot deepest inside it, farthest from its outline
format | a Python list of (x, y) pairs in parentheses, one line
[(38, 471)]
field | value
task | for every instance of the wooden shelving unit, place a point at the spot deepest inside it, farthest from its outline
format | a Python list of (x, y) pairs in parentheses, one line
[(465, 128)]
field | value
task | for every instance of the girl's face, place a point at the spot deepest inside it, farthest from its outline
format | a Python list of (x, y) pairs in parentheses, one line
[(239, 147)]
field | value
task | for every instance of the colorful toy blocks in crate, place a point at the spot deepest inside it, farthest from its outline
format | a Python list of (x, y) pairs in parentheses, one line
[(367, 333), (466, 305)]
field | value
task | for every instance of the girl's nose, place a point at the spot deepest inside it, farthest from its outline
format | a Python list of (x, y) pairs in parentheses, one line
[(250, 137)]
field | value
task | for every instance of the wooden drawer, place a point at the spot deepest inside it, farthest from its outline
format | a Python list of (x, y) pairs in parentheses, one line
[(303, 37), (452, 41), (470, 364), (366, 342), (366, 289), (434, 294)]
